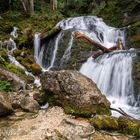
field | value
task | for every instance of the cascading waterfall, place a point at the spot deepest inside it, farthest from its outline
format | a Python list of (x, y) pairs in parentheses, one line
[(55, 51), (14, 32), (38, 51), (11, 46), (67, 52), (112, 72), (91, 26)]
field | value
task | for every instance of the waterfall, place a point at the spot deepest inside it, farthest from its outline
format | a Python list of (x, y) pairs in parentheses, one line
[(55, 51), (37, 47), (67, 52), (112, 72), (94, 28), (11, 46), (113, 75), (91, 26), (14, 32)]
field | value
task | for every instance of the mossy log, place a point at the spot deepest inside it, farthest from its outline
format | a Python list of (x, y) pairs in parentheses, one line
[(48, 34)]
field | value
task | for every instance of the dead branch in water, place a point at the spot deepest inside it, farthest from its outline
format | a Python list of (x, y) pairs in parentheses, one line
[(122, 112)]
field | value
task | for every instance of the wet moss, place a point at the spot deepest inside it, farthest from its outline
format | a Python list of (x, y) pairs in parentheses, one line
[(17, 52), (36, 69), (129, 126), (15, 69), (105, 123), (4, 54), (122, 124)]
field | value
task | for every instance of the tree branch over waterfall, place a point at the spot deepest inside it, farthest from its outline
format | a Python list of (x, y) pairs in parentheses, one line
[(104, 49)]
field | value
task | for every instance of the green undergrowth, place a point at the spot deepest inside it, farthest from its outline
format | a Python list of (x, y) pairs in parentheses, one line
[(15, 69), (45, 19), (5, 85)]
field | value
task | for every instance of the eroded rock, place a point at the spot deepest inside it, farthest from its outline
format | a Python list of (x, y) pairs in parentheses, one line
[(5, 105), (76, 93)]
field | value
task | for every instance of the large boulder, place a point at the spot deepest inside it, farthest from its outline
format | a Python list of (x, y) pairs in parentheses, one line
[(76, 93), (5, 105)]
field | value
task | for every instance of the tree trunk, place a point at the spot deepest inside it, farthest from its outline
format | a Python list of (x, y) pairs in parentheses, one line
[(31, 7), (28, 6), (54, 5), (93, 42)]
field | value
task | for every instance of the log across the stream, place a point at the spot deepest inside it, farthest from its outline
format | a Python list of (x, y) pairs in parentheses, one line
[(103, 49)]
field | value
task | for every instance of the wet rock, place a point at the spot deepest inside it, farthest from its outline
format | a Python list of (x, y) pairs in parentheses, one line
[(17, 52), (105, 122), (40, 97), (76, 93), (129, 126), (5, 105), (35, 69), (122, 124), (30, 105)]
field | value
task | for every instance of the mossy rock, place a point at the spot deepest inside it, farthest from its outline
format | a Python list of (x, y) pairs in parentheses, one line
[(2, 62), (36, 69), (29, 79), (19, 58), (17, 52), (26, 65), (23, 42), (4, 54), (105, 122), (15, 69), (129, 126)]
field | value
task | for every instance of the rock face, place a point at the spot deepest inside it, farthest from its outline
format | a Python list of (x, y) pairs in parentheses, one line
[(5, 105), (76, 93), (30, 105)]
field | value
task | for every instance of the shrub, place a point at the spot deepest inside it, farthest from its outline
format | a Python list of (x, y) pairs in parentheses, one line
[(5, 85)]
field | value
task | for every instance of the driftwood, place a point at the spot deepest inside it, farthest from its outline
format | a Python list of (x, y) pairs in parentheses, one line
[(48, 34), (122, 112), (103, 49)]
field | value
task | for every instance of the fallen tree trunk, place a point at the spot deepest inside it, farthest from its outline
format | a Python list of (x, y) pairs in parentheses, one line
[(103, 49), (48, 34), (92, 42)]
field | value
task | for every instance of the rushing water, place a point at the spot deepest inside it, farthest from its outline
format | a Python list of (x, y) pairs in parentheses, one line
[(91, 26), (11, 46), (112, 72)]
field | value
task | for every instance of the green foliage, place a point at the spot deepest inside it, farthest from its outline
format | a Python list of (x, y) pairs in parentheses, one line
[(5, 85), (15, 69), (111, 13)]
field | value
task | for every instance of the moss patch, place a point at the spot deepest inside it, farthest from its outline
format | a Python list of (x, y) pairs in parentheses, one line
[(15, 69)]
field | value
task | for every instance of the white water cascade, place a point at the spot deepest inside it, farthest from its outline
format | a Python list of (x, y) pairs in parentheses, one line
[(55, 51), (112, 72), (67, 54), (11, 46), (91, 26), (113, 75)]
